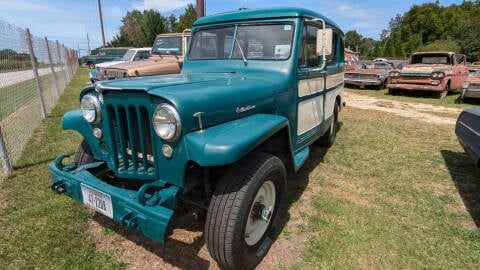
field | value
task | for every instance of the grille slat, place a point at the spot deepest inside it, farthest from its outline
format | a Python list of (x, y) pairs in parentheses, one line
[(141, 120), (131, 138)]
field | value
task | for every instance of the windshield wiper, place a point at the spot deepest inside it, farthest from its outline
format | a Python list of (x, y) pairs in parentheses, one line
[(241, 51)]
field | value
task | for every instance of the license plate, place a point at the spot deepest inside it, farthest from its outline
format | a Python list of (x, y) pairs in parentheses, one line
[(97, 200)]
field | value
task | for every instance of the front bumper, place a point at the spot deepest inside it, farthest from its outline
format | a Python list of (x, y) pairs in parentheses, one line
[(470, 93), (414, 87), (363, 82), (150, 213)]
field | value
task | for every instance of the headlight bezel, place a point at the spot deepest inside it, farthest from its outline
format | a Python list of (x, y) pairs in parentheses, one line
[(438, 75), (173, 115), (95, 102)]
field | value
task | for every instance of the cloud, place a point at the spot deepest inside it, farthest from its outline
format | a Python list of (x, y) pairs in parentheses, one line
[(27, 7), (162, 5), (362, 17)]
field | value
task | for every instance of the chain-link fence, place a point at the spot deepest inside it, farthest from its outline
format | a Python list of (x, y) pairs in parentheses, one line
[(33, 74)]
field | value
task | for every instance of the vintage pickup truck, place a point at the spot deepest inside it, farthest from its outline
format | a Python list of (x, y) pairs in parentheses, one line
[(437, 72), (166, 58), (105, 55), (258, 87)]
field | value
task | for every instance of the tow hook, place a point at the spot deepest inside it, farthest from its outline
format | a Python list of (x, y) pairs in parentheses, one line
[(59, 187)]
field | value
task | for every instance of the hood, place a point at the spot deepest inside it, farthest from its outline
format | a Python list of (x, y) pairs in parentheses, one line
[(474, 79), (220, 97), (110, 63), (368, 71), (425, 70)]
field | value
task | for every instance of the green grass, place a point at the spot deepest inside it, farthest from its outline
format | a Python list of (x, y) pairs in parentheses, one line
[(452, 100), (16, 95), (393, 194), (40, 229)]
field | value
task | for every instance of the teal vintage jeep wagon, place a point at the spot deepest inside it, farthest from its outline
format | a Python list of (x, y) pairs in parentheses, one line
[(257, 88)]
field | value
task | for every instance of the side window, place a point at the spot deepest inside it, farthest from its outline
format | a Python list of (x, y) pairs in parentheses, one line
[(332, 59), (308, 57)]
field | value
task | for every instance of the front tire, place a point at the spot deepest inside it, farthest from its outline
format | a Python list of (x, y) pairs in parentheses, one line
[(243, 212), (83, 155), (444, 92)]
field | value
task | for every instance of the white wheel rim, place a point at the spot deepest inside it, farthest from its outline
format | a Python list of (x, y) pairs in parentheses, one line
[(260, 213)]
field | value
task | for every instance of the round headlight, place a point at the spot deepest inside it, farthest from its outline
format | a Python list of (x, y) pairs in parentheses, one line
[(465, 85), (90, 106), (166, 122)]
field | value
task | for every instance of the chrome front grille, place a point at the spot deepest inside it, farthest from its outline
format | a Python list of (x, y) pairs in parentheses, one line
[(115, 74), (131, 141)]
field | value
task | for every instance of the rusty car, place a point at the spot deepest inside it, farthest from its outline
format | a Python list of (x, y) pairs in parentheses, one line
[(471, 86), (373, 74), (437, 72), (166, 57)]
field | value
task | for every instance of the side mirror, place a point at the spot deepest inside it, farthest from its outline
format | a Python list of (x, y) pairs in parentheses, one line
[(324, 40)]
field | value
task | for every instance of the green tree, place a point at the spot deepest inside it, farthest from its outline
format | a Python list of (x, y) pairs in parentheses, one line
[(153, 23), (172, 23), (353, 40), (187, 19)]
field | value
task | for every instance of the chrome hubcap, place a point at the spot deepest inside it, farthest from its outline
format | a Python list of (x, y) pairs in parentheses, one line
[(260, 213)]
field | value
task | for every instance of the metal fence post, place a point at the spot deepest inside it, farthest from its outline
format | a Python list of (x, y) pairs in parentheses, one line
[(61, 63), (7, 167), (35, 72), (52, 68)]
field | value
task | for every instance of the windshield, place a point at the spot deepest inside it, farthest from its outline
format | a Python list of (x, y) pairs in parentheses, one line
[(128, 55), (430, 59), (168, 46), (256, 42), (378, 65)]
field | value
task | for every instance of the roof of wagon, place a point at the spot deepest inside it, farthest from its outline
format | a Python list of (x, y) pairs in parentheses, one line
[(264, 13)]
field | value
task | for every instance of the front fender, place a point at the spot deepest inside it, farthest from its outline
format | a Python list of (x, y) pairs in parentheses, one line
[(73, 120), (228, 142)]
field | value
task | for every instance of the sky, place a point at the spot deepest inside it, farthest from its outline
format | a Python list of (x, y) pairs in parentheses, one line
[(70, 21)]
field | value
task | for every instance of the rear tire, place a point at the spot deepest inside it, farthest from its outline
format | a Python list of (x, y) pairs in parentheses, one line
[(91, 65), (83, 155), (329, 137), (241, 221)]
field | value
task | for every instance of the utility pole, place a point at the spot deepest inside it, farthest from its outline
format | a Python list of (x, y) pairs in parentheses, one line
[(88, 43), (200, 8), (101, 22)]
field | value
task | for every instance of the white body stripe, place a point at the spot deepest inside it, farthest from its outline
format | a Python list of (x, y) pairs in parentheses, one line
[(334, 80), (310, 114), (310, 86), (311, 111)]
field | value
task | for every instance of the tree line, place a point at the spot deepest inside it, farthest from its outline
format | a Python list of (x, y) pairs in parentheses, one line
[(426, 27), (139, 29)]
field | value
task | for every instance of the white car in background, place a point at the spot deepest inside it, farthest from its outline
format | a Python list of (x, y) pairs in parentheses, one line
[(131, 55)]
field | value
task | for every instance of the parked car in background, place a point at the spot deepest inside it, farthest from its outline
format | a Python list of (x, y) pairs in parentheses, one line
[(373, 73), (471, 86), (105, 55), (131, 55), (166, 57), (467, 130), (437, 72)]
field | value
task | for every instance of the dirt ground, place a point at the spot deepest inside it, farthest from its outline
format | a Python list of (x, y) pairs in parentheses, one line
[(185, 249)]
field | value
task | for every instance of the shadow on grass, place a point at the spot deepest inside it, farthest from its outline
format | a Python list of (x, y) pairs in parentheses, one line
[(467, 180), (185, 254)]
